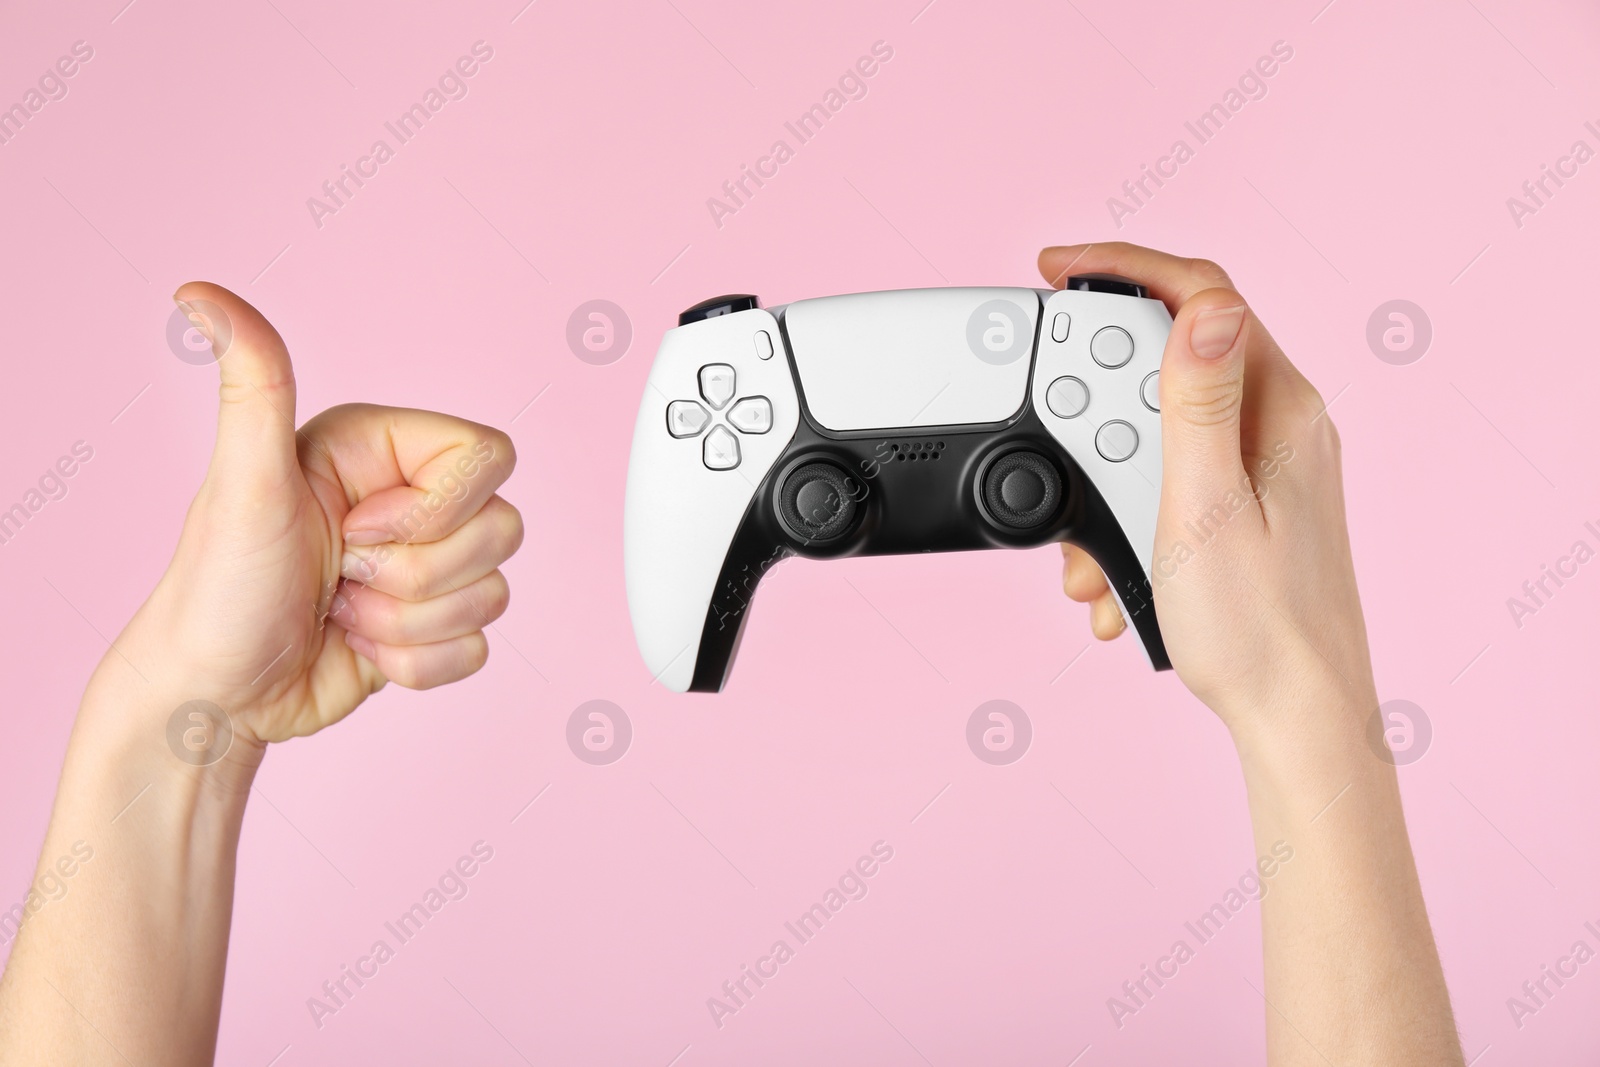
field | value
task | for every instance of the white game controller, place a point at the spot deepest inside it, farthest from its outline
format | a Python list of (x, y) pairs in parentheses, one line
[(875, 423)]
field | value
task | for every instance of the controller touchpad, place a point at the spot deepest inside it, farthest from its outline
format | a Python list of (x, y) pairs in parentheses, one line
[(913, 357)]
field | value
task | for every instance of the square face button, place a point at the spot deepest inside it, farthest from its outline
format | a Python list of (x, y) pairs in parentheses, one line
[(721, 450), (685, 418), (717, 383), (753, 414), (1067, 397)]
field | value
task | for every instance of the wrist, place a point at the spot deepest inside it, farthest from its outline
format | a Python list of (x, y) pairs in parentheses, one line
[(1304, 746), (142, 724)]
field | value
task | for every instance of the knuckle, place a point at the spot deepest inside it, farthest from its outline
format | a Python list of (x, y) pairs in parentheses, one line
[(504, 449), (1208, 404), (475, 653), (511, 525), (1326, 437), (1210, 272), (339, 411), (401, 669), (416, 581), (496, 596), (1310, 411)]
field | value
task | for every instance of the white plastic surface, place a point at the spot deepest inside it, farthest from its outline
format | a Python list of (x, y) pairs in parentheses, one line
[(679, 517), (1132, 487), (914, 357)]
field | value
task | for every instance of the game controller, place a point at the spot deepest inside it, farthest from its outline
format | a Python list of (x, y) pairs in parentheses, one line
[(916, 420)]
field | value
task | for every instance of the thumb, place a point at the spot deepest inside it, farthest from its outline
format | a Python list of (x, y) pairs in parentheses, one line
[(255, 446), (1202, 395)]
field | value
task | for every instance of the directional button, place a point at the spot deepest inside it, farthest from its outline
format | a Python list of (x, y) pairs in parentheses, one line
[(685, 418), (753, 414), (721, 450), (717, 383)]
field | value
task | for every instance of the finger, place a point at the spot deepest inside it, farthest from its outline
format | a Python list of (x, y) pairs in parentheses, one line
[(255, 449), (424, 666), (422, 571), (1202, 398), (1105, 618), (1170, 279), (1081, 577), (388, 620), (408, 475)]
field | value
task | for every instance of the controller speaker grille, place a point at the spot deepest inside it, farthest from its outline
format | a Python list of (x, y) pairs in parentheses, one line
[(915, 451)]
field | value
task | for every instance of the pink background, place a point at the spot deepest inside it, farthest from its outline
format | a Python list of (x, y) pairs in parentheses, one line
[(1376, 168)]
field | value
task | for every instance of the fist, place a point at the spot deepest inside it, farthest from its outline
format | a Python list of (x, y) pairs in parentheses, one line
[(317, 564)]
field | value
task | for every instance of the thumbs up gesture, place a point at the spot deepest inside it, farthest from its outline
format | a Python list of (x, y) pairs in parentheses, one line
[(316, 563)]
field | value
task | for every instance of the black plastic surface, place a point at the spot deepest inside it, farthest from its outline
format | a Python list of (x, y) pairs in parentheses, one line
[(1021, 490), (920, 489), (1105, 283), (718, 305)]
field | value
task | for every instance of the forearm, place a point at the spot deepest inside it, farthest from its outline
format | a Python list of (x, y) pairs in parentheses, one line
[(122, 958), (1352, 973)]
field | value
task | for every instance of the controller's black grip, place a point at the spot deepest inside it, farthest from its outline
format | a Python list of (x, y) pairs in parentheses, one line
[(1102, 538), (757, 547)]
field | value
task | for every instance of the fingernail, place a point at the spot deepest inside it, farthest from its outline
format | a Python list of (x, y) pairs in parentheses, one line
[(342, 611), (361, 647), (201, 323), (1214, 332), (355, 568), (365, 537)]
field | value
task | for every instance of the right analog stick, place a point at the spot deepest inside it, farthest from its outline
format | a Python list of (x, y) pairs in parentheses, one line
[(818, 502), (1021, 490)]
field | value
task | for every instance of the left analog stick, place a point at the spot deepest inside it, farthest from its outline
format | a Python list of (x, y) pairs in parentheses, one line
[(817, 502)]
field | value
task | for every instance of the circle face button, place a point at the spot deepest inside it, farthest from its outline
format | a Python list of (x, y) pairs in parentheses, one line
[(1068, 397), (1117, 441), (1021, 490), (1150, 390), (1111, 347)]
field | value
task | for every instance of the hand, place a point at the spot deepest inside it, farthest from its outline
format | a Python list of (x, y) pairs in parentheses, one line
[(315, 565), (1253, 580)]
